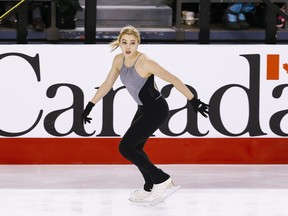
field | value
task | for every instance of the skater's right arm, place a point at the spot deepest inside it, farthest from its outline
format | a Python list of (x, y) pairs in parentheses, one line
[(110, 80), (104, 88)]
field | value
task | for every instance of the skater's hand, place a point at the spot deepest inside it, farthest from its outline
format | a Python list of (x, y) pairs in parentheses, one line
[(86, 112), (86, 119), (200, 107)]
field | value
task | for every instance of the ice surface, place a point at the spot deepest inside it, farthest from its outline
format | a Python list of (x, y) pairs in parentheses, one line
[(103, 190)]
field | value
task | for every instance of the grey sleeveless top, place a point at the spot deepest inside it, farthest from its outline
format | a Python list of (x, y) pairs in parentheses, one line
[(143, 90)]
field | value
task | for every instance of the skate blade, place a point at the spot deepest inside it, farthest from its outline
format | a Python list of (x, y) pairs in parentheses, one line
[(141, 202), (168, 193), (138, 201)]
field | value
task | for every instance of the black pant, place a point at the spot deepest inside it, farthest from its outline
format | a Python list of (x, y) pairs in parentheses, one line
[(145, 122)]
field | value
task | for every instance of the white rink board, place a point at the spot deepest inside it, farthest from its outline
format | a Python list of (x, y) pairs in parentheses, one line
[(207, 68)]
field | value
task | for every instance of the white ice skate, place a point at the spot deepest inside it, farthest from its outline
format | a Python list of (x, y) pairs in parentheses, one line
[(139, 196), (160, 192), (167, 193)]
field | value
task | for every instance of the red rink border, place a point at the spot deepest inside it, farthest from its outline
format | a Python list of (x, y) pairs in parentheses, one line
[(160, 150)]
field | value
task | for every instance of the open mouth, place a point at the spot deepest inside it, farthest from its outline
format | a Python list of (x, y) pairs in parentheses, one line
[(128, 52)]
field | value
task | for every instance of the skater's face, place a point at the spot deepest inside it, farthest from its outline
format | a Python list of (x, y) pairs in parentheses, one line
[(129, 44)]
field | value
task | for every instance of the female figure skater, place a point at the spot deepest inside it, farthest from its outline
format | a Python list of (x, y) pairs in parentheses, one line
[(136, 71)]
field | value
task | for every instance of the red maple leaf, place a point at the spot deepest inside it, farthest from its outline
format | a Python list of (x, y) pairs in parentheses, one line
[(285, 66)]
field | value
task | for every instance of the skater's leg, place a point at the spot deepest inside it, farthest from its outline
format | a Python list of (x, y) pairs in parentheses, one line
[(148, 185), (144, 125), (137, 134), (147, 179), (142, 193)]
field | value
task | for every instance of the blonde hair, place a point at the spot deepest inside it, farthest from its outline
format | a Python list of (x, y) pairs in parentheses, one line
[(128, 30)]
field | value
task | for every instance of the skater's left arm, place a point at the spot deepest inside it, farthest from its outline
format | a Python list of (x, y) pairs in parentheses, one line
[(154, 68)]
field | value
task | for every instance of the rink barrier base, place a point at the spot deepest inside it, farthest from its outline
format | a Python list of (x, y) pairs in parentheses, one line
[(160, 151)]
